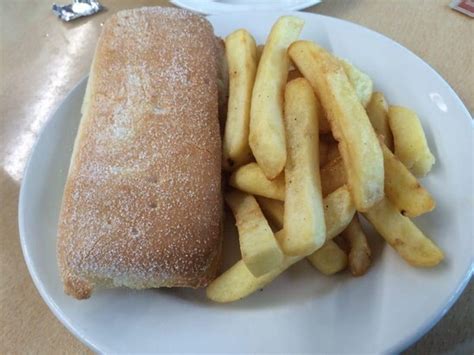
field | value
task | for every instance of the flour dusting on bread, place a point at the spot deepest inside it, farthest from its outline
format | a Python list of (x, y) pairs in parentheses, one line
[(142, 205)]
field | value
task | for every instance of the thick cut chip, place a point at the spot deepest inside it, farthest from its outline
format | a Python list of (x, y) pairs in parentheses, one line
[(360, 253), (333, 176), (304, 216), (403, 189), (360, 81), (329, 259), (267, 131), (260, 250), (241, 53), (377, 110), (403, 235), (409, 140), (350, 125), (250, 178)]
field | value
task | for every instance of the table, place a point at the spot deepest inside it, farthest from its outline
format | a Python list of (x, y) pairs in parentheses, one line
[(42, 58)]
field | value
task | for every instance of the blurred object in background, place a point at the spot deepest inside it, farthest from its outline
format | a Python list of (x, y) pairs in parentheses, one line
[(79, 8), (464, 6)]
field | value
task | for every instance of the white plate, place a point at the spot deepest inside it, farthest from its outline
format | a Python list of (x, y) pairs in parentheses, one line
[(214, 7), (302, 311)]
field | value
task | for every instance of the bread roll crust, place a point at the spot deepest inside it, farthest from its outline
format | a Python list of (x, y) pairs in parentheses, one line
[(142, 205)]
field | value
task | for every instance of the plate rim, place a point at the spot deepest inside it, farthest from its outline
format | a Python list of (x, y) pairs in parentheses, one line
[(429, 323), (21, 227)]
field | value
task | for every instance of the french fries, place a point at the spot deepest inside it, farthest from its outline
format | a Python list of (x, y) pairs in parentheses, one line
[(400, 232), (238, 282), (377, 110), (409, 140), (251, 179), (350, 125), (360, 253), (320, 157), (324, 126), (333, 176), (360, 81), (329, 259), (403, 189), (260, 250), (304, 217), (241, 53), (338, 211), (267, 132)]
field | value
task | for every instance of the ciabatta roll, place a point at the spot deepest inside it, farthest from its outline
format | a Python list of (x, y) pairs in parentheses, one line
[(142, 203)]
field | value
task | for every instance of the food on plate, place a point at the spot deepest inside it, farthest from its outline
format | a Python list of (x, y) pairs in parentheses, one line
[(377, 110), (305, 230), (403, 235), (251, 179), (360, 81), (258, 246), (241, 53), (339, 209), (329, 259), (377, 183), (324, 126), (267, 131), (358, 143), (409, 140), (338, 212), (333, 175), (403, 189), (360, 253), (142, 205), (238, 282), (332, 150)]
